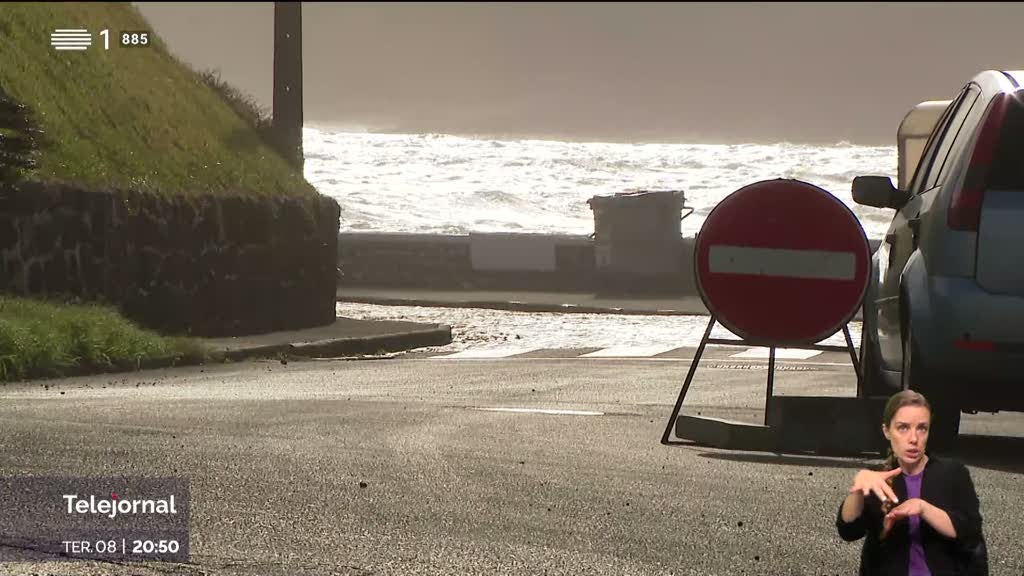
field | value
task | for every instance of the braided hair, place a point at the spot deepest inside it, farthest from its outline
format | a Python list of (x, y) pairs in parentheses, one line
[(897, 401)]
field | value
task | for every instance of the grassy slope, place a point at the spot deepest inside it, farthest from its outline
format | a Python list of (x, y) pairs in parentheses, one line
[(42, 339), (129, 117)]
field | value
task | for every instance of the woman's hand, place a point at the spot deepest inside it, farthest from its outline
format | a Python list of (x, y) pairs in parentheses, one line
[(912, 507), (936, 517), (871, 482)]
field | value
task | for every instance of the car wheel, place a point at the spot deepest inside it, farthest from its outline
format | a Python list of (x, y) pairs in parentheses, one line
[(872, 383), (916, 376)]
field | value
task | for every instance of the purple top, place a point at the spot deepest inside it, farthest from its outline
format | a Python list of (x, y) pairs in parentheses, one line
[(918, 566)]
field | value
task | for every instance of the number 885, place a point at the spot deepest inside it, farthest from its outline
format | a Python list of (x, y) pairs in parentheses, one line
[(134, 39)]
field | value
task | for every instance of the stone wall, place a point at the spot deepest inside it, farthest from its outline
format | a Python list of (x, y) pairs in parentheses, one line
[(199, 265)]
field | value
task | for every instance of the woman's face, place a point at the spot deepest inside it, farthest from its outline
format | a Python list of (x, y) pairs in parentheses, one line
[(908, 433)]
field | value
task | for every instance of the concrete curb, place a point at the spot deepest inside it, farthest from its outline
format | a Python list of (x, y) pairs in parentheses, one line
[(515, 306), (337, 347), (441, 335)]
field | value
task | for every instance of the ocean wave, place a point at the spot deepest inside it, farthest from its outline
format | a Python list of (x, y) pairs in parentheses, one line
[(438, 183), (497, 197)]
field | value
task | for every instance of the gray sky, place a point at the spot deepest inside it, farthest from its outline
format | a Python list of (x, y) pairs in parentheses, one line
[(724, 72)]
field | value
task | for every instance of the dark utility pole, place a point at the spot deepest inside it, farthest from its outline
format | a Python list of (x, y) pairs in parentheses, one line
[(287, 122)]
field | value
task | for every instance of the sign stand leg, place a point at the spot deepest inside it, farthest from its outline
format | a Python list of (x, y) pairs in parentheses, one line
[(856, 361), (707, 339), (689, 379), (771, 383)]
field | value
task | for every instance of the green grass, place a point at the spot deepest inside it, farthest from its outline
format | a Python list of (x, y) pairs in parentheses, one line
[(44, 339), (134, 118)]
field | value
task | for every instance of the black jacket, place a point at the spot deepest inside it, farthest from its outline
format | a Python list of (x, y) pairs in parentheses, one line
[(947, 485)]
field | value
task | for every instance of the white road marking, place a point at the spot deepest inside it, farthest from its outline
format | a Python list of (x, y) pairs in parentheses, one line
[(684, 359), (627, 359), (544, 411), (815, 264), (487, 353), (628, 351), (780, 353)]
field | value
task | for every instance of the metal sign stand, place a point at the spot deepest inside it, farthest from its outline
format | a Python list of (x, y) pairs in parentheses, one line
[(707, 339)]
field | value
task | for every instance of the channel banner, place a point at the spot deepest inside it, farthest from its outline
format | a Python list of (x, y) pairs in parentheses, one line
[(110, 518)]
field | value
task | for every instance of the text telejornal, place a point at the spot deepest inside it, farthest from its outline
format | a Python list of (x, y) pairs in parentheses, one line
[(113, 507)]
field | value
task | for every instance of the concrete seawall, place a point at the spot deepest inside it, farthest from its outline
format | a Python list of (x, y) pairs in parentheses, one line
[(498, 261), (504, 261), (474, 261)]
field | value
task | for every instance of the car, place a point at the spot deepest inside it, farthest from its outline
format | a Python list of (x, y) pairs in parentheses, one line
[(944, 309)]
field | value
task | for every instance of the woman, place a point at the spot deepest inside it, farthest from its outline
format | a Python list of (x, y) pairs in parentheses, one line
[(920, 515)]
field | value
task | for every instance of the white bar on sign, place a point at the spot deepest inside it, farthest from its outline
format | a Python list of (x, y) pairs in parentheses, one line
[(811, 264)]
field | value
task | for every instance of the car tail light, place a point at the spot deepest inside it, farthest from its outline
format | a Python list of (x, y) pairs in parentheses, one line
[(965, 205), (975, 345)]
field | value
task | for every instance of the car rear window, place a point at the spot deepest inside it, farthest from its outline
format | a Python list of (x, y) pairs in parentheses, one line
[(1008, 171)]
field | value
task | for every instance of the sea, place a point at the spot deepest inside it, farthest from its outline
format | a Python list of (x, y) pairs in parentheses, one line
[(449, 184)]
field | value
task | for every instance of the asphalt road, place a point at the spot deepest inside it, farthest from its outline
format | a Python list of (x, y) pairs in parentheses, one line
[(395, 466)]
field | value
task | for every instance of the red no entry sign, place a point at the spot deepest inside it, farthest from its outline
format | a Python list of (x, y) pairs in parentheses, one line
[(782, 262)]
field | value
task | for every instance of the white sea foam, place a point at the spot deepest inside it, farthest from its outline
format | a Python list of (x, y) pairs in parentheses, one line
[(436, 183)]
